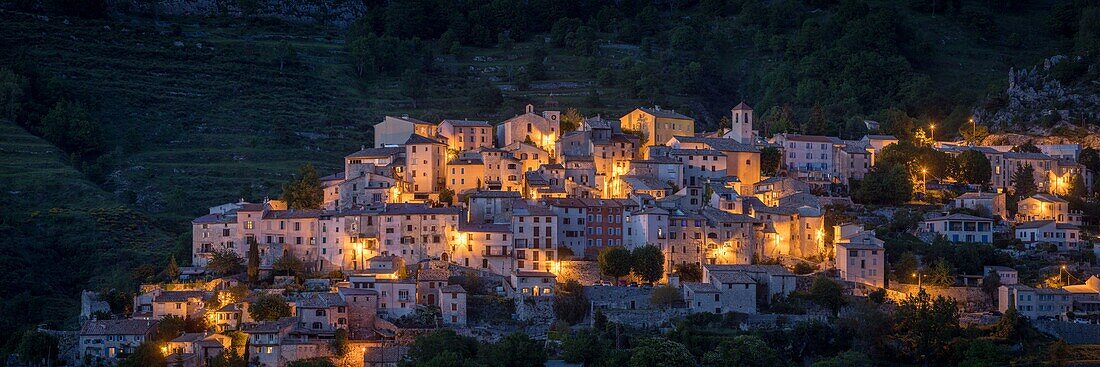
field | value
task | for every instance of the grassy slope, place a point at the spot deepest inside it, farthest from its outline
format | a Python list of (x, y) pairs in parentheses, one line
[(60, 234)]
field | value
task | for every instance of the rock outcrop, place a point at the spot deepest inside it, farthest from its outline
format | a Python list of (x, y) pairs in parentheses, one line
[(1036, 103)]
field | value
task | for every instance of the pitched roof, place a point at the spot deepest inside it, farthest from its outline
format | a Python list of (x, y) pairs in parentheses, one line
[(496, 194), (420, 139), (376, 152), (809, 138), (466, 123), (749, 268), (742, 106), (978, 195), (958, 216), (320, 300), (271, 326), (178, 296), (1023, 155), (663, 113), (700, 287), (432, 274), (1034, 224), (721, 144), (453, 288), (215, 218), (734, 277), (118, 327), (409, 208), (1047, 198), (410, 119)]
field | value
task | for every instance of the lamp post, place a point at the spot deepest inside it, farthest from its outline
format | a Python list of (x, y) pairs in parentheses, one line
[(924, 180), (919, 276), (932, 127)]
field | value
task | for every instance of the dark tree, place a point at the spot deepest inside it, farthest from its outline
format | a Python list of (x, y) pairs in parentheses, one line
[(224, 262), (304, 191), (660, 352), (648, 263), (770, 159), (926, 325), (827, 293), (1024, 182), (515, 350), (570, 304), (688, 272), (614, 262), (1028, 147), (973, 167), (253, 261), (269, 307), (742, 350)]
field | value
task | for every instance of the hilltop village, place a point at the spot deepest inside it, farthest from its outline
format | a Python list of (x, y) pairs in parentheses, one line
[(536, 225)]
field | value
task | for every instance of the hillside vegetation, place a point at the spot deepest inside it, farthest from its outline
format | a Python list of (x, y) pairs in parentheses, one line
[(180, 113)]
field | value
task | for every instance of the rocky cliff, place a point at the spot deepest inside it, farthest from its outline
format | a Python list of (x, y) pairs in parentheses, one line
[(1036, 102)]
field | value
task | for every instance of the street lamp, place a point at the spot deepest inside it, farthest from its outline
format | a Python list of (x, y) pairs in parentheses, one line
[(924, 179), (919, 276), (932, 127)]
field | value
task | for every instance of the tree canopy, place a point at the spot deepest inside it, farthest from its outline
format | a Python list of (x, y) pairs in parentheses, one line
[(304, 191)]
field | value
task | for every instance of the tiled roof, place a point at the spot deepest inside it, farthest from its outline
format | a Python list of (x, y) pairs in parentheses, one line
[(749, 268), (265, 327), (466, 123), (1031, 156), (215, 218), (978, 195), (742, 106), (700, 287), (958, 216), (810, 138), (407, 208), (706, 152), (410, 119), (320, 300), (420, 139), (377, 152), (722, 144), (178, 296), (432, 274), (663, 113), (495, 194), (1047, 198), (118, 327), (1034, 224), (734, 277), (881, 137), (453, 288)]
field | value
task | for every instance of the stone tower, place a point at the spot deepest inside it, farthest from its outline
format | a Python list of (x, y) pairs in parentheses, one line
[(741, 124)]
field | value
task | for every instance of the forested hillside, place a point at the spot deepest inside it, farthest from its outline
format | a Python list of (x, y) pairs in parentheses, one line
[(120, 126)]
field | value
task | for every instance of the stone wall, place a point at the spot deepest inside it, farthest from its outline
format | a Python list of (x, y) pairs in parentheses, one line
[(584, 272), (1070, 332), (970, 299), (339, 13)]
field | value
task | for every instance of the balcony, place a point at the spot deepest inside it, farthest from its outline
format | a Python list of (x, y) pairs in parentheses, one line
[(498, 253)]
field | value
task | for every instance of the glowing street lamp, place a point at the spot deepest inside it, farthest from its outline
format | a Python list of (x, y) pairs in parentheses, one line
[(932, 127)]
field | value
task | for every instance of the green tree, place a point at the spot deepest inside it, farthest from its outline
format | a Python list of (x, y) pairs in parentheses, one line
[(905, 267), (648, 263), (827, 293), (173, 269), (941, 274), (224, 262), (688, 272), (312, 362), (817, 123), (990, 283), (36, 347), (486, 97), (447, 196), (12, 90), (846, 359), (69, 125), (253, 261), (665, 296), (614, 262), (742, 350), (925, 325), (304, 191), (585, 347), (269, 307), (770, 159), (515, 350), (570, 303), (1009, 325), (147, 354), (1024, 181), (973, 168), (983, 353), (440, 348), (660, 352), (886, 184), (1028, 147), (289, 265), (571, 120)]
